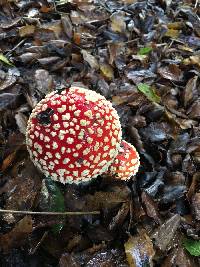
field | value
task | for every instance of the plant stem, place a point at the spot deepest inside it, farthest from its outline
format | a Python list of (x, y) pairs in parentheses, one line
[(27, 212)]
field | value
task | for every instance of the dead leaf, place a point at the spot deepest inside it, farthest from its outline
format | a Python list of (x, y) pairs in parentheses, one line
[(27, 30), (163, 236), (18, 235), (139, 250), (107, 71)]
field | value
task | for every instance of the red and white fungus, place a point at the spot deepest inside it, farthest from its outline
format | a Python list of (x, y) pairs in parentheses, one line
[(126, 163), (74, 135)]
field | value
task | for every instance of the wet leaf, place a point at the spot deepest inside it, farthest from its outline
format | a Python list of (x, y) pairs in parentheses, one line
[(107, 71), (52, 199), (145, 50), (18, 235), (5, 60), (139, 250), (192, 246), (172, 33), (148, 92), (91, 60), (26, 30), (164, 235)]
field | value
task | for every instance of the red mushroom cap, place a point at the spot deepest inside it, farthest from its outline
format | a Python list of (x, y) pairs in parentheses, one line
[(126, 163), (73, 136)]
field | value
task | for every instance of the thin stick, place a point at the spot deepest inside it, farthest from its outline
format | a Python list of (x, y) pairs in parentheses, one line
[(27, 212)]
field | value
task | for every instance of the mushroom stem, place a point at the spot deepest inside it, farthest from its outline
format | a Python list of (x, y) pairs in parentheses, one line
[(27, 212)]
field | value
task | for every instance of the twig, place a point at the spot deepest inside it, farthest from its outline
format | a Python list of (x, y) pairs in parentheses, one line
[(27, 212), (15, 47)]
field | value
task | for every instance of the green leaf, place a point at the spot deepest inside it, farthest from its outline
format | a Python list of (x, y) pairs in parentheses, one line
[(148, 92), (5, 60), (51, 199), (192, 246), (144, 50)]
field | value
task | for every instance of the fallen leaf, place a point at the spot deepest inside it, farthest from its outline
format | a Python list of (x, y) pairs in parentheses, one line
[(139, 250), (18, 235), (172, 33), (51, 199), (5, 60), (164, 235), (192, 246), (27, 30), (107, 71), (90, 59), (145, 50), (149, 92)]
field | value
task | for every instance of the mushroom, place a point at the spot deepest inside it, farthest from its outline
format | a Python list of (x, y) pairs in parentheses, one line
[(126, 163), (74, 135)]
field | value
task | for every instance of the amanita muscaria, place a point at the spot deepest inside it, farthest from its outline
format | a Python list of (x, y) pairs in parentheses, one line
[(73, 135), (126, 163)]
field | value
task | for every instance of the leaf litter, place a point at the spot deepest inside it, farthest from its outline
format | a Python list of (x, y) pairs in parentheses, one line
[(144, 57)]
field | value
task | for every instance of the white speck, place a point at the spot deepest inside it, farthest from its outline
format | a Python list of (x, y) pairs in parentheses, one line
[(36, 134), (86, 151), (56, 126), (68, 150), (65, 124), (70, 140), (89, 140), (78, 146), (75, 173), (53, 134), (71, 166), (90, 131), (58, 156), (106, 139), (63, 98), (66, 117), (62, 109), (77, 113), (75, 155), (106, 148), (71, 131), (85, 173), (63, 149), (49, 155), (88, 114), (66, 160), (91, 157), (83, 122), (71, 101), (77, 127), (46, 139), (55, 117), (55, 145)]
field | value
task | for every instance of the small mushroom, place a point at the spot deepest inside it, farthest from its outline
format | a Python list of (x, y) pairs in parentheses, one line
[(126, 163), (74, 135)]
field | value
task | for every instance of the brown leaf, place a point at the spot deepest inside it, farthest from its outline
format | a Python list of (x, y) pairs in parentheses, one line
[(21, 121), (163, 236), (8, 161), (151, 207), (27, 30), (190, 90), (196, 206), (18, 235), (107, 71), (90, 59), (139, 250), (22, 189), (171, 72)]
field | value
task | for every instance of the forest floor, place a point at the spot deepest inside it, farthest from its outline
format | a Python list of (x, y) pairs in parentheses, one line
[(143, 56)]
